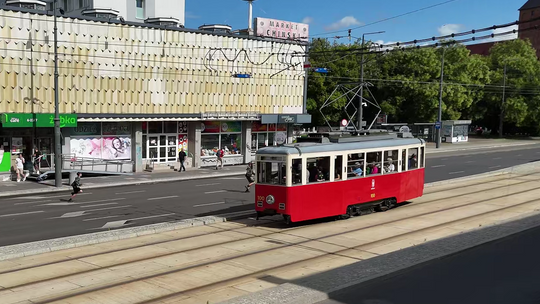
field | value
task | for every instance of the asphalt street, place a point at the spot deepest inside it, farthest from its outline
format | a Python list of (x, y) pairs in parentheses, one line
[(39, 217), (504, 271)]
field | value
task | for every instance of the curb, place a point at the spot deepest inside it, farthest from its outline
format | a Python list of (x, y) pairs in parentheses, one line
[(39, 247), (320, 287), (509, 145), (110, 185)]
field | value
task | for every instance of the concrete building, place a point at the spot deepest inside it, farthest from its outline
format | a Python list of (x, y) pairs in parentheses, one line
[(529, 14), (140, 92)]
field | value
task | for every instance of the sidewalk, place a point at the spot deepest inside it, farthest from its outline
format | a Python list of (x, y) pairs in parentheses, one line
[(31, 187), (214, 263)]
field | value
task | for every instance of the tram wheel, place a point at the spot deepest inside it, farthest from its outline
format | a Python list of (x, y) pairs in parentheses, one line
[(287, 219), (349, 214)]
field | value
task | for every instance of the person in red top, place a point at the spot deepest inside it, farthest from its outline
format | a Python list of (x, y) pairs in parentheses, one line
[(219, 163)]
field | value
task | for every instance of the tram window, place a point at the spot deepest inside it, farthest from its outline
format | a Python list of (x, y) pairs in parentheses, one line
[(338, 167), (373, 163), (403, 160), (391, 161), (273, 173), (355, 165), (318, 169), (297, 171), (413, 158), (422, 157)]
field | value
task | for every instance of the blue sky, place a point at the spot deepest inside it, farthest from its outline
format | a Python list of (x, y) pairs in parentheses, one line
[(324, 16)]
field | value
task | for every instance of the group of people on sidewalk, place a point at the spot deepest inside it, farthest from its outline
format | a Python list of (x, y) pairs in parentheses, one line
[(20, 161)]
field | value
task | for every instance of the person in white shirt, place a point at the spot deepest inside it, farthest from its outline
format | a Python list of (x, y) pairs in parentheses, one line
[(19, 163), (391, 167)]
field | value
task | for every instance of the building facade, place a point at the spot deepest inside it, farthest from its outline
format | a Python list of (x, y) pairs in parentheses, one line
[(141, 93), (529, 14)]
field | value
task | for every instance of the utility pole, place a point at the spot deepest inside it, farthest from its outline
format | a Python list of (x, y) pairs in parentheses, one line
[(501, 117), (306, 79), (439, 117), (360, 107), (57, 137)]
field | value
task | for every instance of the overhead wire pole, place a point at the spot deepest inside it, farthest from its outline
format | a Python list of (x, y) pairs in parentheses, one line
[(306, 79), (57, 137), (439, 117), (360, 107)]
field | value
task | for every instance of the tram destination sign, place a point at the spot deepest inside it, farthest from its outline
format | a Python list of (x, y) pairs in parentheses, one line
[(38, 120)]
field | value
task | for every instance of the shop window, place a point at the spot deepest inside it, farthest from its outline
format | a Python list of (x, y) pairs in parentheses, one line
[(261, 140), (170, 127), (318, 169), (145, 147), (373, 164), (209, 144), (297, 171), (355, 165), (412, 162), (338, 167), (155, 127), (391, 161), (271, 141), (231, 143)]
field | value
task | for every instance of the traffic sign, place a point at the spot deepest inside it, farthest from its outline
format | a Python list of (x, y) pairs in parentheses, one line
[(321, 70), (344, 123), (438, 125)]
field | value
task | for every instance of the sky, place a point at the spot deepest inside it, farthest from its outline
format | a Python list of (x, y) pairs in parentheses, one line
[(326, 17)]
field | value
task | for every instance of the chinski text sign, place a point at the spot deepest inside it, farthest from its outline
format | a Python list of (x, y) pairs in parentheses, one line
[(281, 29), (28, 120)]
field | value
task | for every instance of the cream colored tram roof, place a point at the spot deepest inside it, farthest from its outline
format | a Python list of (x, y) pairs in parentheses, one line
[(336, 147)]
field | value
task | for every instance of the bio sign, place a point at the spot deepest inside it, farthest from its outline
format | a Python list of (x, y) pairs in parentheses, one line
[(28, 120)]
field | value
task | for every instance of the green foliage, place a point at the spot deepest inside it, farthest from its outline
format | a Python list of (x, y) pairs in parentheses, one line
[(407, 83)]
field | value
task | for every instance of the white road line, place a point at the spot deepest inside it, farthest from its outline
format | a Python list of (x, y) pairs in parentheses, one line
[(471, 161), (438, 166), (130, 192), (152, 216), (494, 167), (212, 192), (458, 172), (100, 218), (234, 178), (496, 158), (23, 213), (160, 198), (205, 185), (28, 203), (519, 155), (70, 214), (444, 159), (55, 196), (82, 203), (209, 204), (98, 205)]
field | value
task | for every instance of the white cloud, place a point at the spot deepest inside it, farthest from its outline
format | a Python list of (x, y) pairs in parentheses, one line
[(343, 23), (448, 29), (501, 30), (307, 20)]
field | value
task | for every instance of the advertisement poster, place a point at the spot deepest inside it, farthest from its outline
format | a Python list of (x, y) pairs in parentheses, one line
[(5, 160), (116, 148), (17, 145), (182, 127), (231, 127), (182, 142), (210, 127), (86, 147)]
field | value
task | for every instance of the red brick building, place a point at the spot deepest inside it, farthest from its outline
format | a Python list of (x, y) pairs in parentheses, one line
[(529, 11)]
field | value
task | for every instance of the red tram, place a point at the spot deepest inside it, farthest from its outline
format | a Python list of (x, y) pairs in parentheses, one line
[(338, 177)]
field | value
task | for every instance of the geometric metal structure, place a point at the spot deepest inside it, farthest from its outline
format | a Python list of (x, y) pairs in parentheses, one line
[(351, 91)]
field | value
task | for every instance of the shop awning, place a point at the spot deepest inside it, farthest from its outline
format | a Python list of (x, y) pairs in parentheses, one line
[(168, 117)]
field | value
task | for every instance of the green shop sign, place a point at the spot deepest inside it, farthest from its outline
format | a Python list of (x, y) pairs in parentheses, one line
[(28, 120)]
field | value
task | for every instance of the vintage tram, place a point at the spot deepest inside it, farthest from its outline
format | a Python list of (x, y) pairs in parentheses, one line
[(341, 176)]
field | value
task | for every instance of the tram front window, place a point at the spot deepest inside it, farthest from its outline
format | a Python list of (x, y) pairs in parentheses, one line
[(273, 173)]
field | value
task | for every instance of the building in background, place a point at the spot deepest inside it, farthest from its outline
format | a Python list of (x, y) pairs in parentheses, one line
[(141, 92)]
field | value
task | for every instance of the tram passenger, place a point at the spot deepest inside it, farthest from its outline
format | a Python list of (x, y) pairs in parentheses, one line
[(375, 169), (358, 170), (391, 167), (337, 175)]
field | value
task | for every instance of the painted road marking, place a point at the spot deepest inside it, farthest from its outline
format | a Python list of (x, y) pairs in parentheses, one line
[(205, 185), (209, 204), (218, 191), (121, 223), (160, 198), (496, 158), (72, 214), (130, 192), (86, 212), (233, 178), (438, 166), (100, 218), (458, 172), (471, 161), (98, 205), (22, 213), (28, 203), (152, 216), (81, 203)]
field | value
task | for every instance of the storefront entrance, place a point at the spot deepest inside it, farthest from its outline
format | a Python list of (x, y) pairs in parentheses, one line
[(162, 148), (163, 140)]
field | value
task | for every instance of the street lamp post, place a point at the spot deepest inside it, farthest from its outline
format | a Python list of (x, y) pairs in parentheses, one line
[(439, 116), (57, 137), (360, 108)]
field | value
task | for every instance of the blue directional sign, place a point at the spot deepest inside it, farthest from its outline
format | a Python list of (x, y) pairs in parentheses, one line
[(242, 75), (320, 70), (438, 125)]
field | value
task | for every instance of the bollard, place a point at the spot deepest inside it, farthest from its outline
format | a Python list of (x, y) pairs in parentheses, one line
[(72, 176)]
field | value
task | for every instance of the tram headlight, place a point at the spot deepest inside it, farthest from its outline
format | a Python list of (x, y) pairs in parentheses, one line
[(270, 199)]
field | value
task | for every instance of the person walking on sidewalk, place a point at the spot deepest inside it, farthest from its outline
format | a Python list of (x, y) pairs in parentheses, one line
[(182, 158), (250, 176), (19, 167), (76, 186), (37, 160), (219, 163)]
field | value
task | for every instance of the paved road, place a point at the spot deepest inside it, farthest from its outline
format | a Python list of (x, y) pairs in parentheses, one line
[(505, 271), (32, 218)]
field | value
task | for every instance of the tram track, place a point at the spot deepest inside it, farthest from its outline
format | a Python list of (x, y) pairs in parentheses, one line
[(250, 253), (272, 224)]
